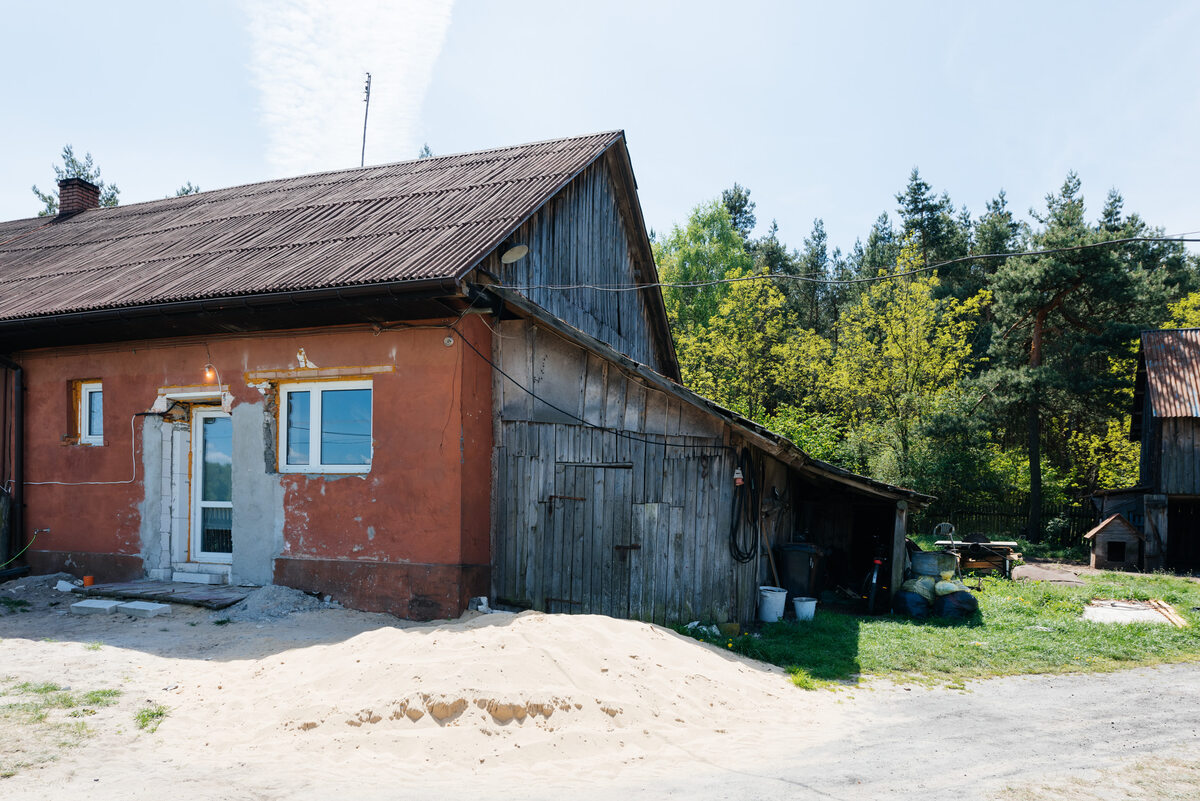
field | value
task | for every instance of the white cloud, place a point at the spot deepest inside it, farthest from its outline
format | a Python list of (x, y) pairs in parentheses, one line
[(309, 63)]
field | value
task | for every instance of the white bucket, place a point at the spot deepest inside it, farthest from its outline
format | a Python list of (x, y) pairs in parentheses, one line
[(805, 608), (770, 603)]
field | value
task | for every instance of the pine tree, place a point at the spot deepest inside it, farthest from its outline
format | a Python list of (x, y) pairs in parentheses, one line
[(76, 168), (1065, 315), (741, 209)]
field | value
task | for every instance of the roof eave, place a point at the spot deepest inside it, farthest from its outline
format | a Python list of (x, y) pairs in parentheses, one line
[(768, 441)]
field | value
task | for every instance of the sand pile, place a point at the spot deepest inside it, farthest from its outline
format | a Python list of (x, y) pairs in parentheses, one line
[(294, 706), (552, 672), (269, 603)]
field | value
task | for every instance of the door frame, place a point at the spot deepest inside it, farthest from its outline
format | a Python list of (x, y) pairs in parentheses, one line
[(199, 414)]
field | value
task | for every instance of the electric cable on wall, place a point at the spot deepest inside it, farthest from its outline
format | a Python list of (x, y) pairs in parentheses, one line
[(132, 457)]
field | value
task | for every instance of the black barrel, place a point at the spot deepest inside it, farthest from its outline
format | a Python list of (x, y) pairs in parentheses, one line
[(800, 569)]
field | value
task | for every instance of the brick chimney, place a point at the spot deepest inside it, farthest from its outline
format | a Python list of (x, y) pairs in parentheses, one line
[(75, 195)]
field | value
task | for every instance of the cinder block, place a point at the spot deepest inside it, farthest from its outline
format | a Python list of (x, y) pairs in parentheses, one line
[(95, 606), (144, 609), (198, 578)]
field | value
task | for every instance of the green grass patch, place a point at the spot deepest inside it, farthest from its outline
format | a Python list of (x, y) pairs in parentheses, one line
[(1054, 553), (148, 718), (14, 604), (101, 697), (43, 717), (1023, 627)]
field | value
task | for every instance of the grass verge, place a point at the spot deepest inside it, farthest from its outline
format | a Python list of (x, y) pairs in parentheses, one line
[(39, 719), (1022, 627)]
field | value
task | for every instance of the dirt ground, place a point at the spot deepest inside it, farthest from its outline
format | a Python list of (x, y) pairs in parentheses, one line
[(333, 703)]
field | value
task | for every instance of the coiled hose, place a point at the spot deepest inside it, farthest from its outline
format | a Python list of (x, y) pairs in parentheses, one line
[(746, 501)]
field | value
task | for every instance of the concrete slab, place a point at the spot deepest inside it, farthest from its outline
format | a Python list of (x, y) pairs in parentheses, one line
[(144, 609), (94, 606), (1122, 612)]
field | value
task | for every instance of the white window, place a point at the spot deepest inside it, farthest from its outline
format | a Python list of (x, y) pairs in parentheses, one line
[(325, 427), (91, 413)]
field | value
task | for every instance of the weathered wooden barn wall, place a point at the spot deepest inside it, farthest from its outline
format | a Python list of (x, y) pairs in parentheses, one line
[(1178, 464), (589, 521), (582, 239)]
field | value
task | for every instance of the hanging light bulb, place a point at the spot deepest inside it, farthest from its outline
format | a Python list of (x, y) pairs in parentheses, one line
[(210, 372)]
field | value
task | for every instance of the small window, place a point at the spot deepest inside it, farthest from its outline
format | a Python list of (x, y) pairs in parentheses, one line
[(325, 427), (91, 413)]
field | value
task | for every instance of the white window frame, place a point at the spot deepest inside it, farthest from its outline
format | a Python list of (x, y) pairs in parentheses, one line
[(86, 435), (316, 465), (195, 539)]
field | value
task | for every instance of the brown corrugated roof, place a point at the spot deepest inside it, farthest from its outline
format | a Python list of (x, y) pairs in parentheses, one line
[(1172, 360), (427, 219)]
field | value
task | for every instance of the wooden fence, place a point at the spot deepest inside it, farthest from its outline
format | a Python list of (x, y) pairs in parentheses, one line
[(1062, 524)]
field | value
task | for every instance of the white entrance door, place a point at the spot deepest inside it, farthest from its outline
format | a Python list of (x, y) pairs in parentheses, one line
[(212, 487)]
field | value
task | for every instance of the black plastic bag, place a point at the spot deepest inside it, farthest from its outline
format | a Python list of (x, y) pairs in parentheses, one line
[(912, 604), (956, 605)]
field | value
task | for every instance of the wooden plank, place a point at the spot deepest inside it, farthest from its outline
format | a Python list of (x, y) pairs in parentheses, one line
[(727, 572), (664, 591), (690, 553), (638, 522), (710, 604), (510, 533), (604, 542), (635, 405), (655, 590), (585, 487), (552, 506), (656, 412), (1188, 456), (676, 606), (594, 390), (580, 528), (557, 374), (518, 530), (519, 365), (499, 521), (637, 456), (619, 534)]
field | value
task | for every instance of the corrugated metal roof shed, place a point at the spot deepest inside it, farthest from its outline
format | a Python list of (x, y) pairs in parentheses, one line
[(427, 219), (1172, 371)]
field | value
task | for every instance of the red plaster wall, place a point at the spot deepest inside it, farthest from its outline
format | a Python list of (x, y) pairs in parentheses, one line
[(426, 499)]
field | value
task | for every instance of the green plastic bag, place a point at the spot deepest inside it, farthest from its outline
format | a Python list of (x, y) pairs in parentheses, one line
[(922, 585)]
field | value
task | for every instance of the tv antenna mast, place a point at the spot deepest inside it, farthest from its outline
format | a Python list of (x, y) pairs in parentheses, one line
[(366, 99)]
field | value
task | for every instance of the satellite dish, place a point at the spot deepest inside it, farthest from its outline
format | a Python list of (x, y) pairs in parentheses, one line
[(515, 253)]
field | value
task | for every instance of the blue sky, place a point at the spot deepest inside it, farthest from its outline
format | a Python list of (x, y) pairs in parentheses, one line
[(821, 109)]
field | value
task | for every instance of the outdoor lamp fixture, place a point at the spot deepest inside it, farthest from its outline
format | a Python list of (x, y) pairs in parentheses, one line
[(210, 372), (514, 253)]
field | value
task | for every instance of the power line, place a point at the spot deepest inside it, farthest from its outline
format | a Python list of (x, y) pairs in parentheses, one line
[(616, 431), (808, 277)]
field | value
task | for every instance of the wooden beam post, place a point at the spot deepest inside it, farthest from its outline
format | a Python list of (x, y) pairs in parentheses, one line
[(1156, 532), (898, 551)]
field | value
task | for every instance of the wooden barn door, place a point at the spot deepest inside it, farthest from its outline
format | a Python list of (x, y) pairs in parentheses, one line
[(589, 551), (1183, 535)]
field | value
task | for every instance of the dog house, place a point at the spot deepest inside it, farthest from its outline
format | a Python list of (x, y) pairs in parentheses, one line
[(1116, 544)]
